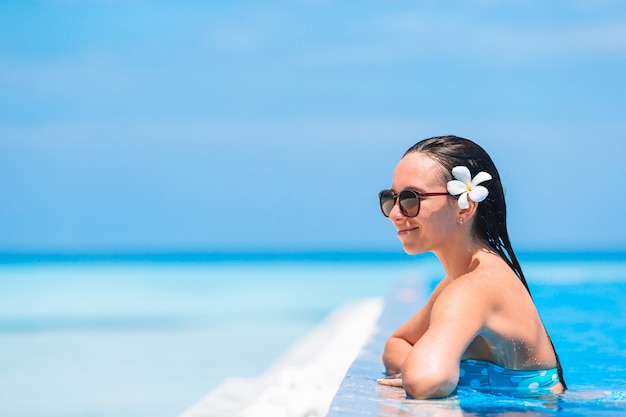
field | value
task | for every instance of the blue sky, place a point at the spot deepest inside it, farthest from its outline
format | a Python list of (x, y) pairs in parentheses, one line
[(152, 125)]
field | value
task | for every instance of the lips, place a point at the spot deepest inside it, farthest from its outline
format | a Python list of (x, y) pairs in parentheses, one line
[(407, 230)]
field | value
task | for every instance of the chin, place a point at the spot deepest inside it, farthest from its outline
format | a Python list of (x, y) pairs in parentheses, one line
[(412, 251)]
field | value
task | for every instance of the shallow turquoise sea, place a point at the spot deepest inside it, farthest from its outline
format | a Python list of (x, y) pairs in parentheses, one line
[(133, 335)]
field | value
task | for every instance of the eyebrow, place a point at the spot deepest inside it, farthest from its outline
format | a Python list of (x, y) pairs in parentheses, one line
[(410, 188)]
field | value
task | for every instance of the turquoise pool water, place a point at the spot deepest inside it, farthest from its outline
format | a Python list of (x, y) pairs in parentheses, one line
[(587, 321), (144, 337)]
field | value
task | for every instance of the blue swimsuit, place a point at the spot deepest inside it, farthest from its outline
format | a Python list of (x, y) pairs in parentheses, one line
[(489, 377)]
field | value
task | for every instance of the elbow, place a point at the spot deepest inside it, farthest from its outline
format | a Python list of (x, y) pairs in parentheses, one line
[(425, 385), (394, 355), (391, 363)]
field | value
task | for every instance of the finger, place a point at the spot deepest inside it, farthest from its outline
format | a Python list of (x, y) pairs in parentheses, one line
[(394, 382)]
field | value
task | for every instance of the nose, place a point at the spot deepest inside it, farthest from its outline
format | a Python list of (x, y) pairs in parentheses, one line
[(396, 213)]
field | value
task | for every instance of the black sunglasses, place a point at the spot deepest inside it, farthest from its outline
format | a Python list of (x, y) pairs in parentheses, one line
[(409, 201)]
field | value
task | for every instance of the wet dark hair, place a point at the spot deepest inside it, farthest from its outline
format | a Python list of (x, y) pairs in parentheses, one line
[(490, 218)]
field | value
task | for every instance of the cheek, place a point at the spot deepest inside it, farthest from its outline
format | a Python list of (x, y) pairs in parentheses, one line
[(446, 227), (443, 221)]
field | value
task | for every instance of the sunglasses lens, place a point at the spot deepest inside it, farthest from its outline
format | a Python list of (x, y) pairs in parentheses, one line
[(387, 201), (409, 203)]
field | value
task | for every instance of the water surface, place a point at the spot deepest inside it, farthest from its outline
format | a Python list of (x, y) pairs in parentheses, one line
[(149, 338)]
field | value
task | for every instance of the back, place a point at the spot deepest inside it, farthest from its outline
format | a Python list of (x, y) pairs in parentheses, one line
[(513, 335)]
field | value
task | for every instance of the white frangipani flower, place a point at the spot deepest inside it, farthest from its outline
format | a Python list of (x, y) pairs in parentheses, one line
[(466, 186)]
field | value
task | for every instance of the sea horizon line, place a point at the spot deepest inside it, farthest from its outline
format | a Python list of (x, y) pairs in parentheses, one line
[(280, 255)]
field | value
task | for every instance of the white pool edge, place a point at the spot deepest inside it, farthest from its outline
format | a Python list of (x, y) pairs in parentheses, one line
[(304, 381)]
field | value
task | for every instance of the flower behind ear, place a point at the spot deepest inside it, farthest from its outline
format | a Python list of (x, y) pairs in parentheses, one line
[(468, 187)]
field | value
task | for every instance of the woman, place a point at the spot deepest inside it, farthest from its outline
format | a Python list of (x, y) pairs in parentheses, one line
[(480, 327)]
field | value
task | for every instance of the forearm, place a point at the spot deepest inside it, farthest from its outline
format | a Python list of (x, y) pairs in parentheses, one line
[(395, 353)]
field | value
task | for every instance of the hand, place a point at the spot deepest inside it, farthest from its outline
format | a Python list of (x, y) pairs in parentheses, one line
[(394, 380)]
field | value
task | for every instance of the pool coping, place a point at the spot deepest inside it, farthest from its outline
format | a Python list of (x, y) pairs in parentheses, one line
[(305, 379), (359, 394)]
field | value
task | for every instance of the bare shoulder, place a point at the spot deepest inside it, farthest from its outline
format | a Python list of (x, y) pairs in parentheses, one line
[(488, 271), (483, 282)]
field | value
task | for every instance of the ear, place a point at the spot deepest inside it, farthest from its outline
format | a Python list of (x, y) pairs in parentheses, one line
[(467, 214)]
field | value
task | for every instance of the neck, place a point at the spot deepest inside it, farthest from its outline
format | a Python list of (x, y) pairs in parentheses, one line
[(457, 257)]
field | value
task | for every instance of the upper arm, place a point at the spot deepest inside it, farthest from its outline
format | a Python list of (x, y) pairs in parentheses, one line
[(413, 329), (456, 318)]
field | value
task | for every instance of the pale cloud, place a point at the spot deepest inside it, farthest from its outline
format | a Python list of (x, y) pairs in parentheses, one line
[(480, 36), (454, 37)]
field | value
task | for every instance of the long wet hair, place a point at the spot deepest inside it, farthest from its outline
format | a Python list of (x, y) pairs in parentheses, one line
[(490, 219)]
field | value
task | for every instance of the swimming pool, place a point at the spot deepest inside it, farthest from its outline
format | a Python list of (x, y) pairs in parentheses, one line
[(586, 320), (151, 338)]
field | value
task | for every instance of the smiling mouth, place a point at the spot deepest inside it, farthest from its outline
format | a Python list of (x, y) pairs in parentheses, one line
[(405, 231)]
